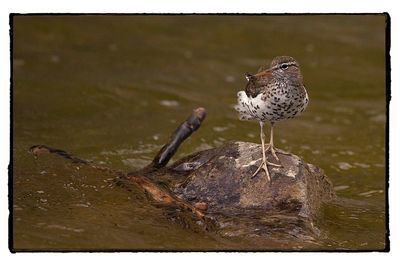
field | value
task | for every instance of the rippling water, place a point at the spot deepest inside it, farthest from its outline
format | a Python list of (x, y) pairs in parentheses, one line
[(112, 88)]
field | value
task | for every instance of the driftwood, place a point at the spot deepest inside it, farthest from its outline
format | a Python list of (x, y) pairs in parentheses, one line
[(217, 188), (141, 178)]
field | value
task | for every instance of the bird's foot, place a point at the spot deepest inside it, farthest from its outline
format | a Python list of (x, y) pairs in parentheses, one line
[(274, 152), (264, 165)]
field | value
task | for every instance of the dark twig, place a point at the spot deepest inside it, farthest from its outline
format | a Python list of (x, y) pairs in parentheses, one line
[(41, 149), (184, 130)]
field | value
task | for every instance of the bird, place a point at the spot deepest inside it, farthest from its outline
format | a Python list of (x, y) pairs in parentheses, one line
[(271, 95)]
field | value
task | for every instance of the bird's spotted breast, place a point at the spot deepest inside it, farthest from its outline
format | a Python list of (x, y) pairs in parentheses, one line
[(281, 105)]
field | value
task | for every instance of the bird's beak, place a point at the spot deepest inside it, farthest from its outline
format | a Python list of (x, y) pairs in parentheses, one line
[(264, 73), (248, 76)]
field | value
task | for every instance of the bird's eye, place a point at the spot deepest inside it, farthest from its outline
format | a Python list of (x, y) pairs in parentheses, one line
[(284, 66)]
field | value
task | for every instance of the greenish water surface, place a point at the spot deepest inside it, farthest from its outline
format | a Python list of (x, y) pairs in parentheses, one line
[(111, 89)]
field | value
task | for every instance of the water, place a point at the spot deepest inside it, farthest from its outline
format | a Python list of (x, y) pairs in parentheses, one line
[(111, 89)]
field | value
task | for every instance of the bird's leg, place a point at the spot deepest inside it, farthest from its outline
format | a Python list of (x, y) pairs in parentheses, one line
[(264, 162), (271, 142), (271, 146)]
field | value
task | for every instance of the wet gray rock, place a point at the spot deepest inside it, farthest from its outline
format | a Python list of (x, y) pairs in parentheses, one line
[(222, 178)]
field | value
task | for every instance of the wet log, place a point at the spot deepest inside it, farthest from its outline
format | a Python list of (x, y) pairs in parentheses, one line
[(141, 178)]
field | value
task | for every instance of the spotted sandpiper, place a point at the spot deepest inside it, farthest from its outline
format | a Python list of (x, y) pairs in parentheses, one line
[(273, 95)]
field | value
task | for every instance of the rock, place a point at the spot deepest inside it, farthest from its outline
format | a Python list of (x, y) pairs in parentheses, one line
[(222, 179)]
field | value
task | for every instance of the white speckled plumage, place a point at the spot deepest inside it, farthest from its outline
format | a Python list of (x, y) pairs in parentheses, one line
[(271, 109), (272, 95)]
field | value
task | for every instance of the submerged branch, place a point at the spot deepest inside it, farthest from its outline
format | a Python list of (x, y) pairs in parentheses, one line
[(140, 178)]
